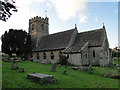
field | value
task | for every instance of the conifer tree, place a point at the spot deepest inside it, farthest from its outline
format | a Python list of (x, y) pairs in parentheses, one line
[(16, 41)]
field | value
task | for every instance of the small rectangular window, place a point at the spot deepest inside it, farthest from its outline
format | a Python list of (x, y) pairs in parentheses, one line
[(67, 55), (86, 55), (44, 55), (93, 53), (52, 55), (37, 56), (33, 26)]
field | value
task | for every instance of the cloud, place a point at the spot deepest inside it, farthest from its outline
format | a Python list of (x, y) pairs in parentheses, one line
[(25, 3), (83, 18), (68, 8), (20, 3), (103, 0), (20, 19), (40, 0), (49, 5), (116, 11), (96, 19)]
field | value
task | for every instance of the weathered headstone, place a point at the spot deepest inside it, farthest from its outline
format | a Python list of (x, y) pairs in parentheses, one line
[(54, 65), (117, 65), (12, 59), (14, 66), (89, 69), (111, 75), (65, 72), (21, 70), (31, 59)]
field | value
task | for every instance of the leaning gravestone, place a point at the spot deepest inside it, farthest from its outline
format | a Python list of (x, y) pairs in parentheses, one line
[(65, 72), (41, 78), (89, 71), (12, 59), (54, 65), (21, 70), (14, 66)]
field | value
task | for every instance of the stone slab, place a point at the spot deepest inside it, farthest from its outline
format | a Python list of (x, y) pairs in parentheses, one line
[(40, 78)]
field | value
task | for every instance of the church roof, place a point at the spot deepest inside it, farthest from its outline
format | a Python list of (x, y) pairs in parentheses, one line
[(93, 37), (55, 41), (61, 40)]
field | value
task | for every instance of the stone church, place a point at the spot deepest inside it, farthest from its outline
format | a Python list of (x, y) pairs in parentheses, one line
[(85, 48)]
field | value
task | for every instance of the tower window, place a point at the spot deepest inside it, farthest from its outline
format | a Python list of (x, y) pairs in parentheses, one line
[(44, 55), (86, 55), (33, 26), (37, 56), (52, 55), (93, 53), (42, 26), (67, 55)]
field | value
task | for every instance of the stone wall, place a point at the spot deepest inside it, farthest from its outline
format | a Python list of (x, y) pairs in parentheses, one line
[(75, 59), (38, 27), (110, 57), (48, 56), (94, 55), (106, 54), (84, 55)]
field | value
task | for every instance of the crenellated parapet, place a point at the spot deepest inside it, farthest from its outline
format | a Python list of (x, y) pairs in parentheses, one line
[(39, 19)]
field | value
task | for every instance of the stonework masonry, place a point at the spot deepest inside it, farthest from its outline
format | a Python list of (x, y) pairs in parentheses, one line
[(85, 48)]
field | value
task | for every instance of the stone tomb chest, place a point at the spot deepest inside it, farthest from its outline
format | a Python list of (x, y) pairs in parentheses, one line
[(40, 78)]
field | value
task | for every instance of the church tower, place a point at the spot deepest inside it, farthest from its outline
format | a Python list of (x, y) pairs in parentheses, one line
[(38, 27)]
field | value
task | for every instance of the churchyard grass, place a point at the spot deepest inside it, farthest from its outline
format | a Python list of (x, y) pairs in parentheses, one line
[(116, 60), (73, 79)]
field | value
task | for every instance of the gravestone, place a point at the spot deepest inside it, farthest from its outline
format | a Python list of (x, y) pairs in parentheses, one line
[(54, 65), (21, 70), (65, 72), (41, 78), (89, 71), (111, 75), (14, 66), (12, 59)]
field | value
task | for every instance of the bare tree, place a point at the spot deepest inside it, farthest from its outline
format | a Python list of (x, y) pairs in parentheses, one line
[(6, 7)]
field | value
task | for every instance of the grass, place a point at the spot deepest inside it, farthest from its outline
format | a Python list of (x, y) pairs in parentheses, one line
[(116, 60), (74, 79)]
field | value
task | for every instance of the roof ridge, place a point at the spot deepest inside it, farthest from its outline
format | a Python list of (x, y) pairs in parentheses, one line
[(63, 31), (58, 32), (91, 30)]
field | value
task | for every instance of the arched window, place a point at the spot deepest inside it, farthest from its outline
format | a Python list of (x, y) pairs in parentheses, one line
[(42, 26), (60, 53), (93, 53), (37, 56), (33, 26), (86, 55), (67, 55), (44, 55), (52, 55)]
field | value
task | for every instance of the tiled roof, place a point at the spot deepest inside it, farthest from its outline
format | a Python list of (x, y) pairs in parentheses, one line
[(55, 41), (94, 37), (61, 40)]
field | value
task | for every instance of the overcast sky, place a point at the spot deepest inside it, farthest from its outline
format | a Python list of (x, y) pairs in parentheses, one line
[(64, 14)]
